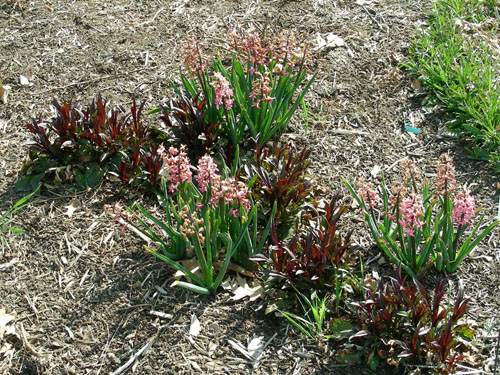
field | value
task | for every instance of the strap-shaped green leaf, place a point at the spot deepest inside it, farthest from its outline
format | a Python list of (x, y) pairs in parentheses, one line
[(465, 249), (176, 265), (192, 287)]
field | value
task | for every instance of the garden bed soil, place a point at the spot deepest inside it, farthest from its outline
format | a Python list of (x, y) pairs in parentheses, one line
[(82, 292)]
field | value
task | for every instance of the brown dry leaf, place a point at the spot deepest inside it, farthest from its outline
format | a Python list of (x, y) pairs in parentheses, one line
[(195, 327), (23, 80), (9, 331), (328, 41), (4, 92), (196, 366), (211, 348), (240, 287), (7, 351), (5, 319), (214, 328), (236, 345), (256, 346), (192, 265), (72, 207), (236, 268), (213, 367)]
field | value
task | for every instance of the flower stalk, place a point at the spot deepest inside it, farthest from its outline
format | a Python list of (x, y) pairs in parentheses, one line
[(212, 218), (419, 229)]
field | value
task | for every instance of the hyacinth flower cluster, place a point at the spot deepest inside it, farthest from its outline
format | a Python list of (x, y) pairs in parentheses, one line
[(176, 167), (208, 214), (178, 170), (223, 92), (258, 94), (416, 227), (269, 77)]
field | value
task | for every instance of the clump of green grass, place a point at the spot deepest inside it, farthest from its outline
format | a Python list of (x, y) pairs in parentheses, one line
[(6, 218), (457, 58)]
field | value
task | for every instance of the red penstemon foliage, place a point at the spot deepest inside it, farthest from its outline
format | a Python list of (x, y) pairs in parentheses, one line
[(65, 124), (62, 147), (116, 140), (138, 132), (41, 141), (94, 122), (312, 260), (152, 163), (127, 166), (115, 127), (282, 180), (400, 322), (124, 171), (187, 117), (114, 132)]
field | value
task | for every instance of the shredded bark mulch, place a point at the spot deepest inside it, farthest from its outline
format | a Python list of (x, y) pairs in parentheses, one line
[(87, 298)]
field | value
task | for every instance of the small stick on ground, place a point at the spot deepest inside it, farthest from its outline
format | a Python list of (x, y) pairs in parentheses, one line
[(142, 352), (496, 353)]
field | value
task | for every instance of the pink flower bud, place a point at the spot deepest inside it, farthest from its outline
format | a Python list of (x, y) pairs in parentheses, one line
[(446, 182), (411, 212), (176, 167), (223, 93), (463, 209), (370, 196)]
